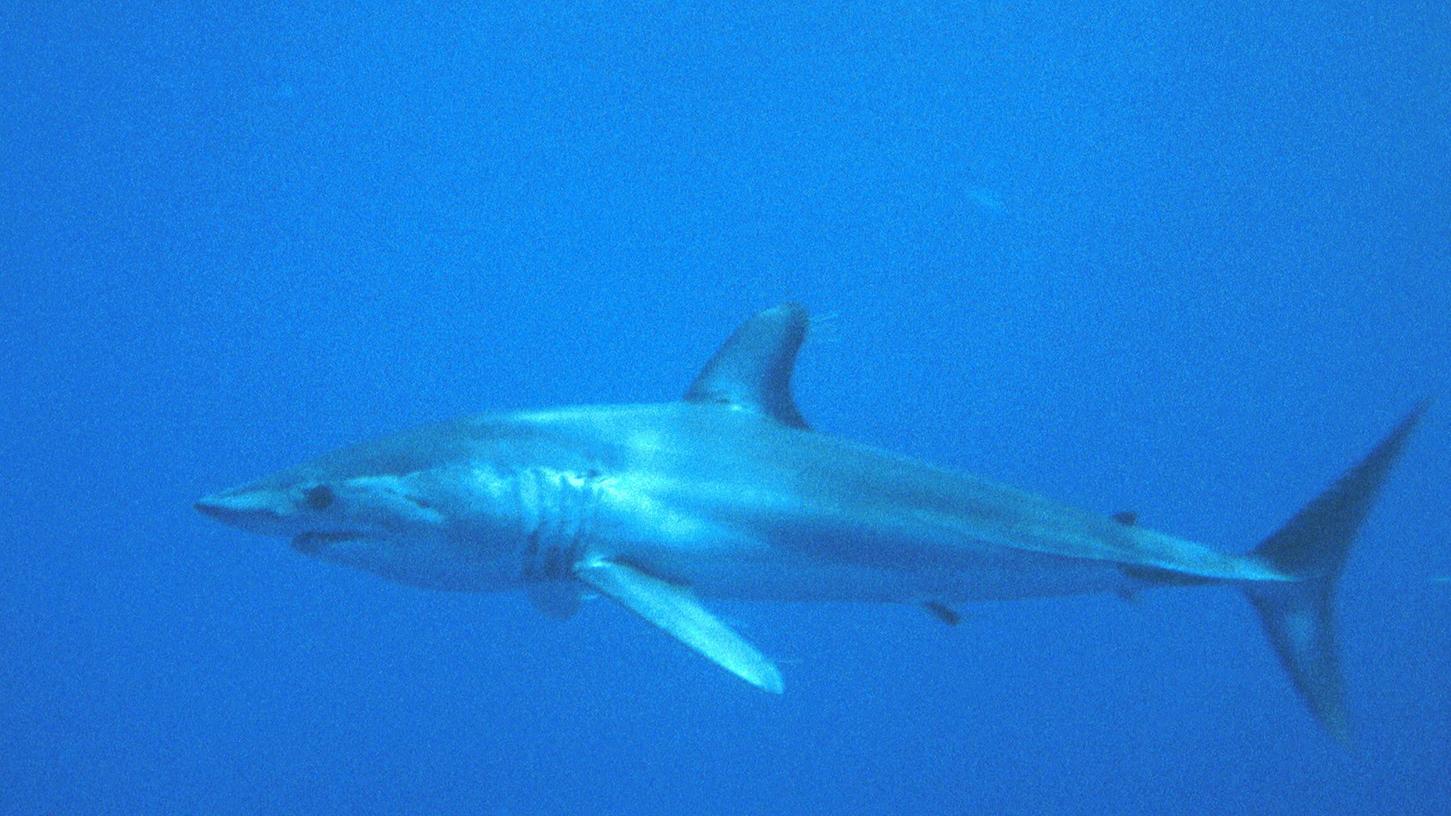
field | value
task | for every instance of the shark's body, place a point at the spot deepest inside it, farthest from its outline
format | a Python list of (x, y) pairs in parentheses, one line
[(733, 506), (729, 494)]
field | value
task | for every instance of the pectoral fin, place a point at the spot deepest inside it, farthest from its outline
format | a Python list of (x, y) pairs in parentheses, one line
[(556, 599), (673, 609)]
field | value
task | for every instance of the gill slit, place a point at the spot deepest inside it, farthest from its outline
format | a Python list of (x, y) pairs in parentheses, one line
[(558, 513)]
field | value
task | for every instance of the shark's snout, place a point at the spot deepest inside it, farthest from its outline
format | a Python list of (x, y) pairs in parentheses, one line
[(208, 506), (213, 506), (252, 511)]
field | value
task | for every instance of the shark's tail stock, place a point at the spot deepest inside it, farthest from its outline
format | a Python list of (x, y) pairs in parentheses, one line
[(1311, 550)]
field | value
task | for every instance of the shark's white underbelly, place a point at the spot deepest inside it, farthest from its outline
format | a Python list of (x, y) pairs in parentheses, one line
[(771, 574)]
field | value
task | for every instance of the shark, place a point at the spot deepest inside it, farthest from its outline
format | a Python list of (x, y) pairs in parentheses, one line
[(728, 493)]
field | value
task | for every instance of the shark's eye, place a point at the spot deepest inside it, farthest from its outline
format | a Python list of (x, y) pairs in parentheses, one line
[(318, 498)]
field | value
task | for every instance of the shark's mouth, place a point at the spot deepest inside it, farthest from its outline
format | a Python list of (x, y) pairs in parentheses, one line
[(314, 542)]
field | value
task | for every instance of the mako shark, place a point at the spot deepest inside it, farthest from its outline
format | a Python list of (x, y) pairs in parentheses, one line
[(728, 494)]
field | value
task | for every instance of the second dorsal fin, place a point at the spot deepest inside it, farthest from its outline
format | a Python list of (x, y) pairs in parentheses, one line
[(752, 371)]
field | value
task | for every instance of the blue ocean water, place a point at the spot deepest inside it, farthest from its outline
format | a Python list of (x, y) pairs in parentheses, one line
[(1187, 260)]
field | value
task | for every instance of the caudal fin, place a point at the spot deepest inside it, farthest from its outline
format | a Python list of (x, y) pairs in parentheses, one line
[(1311, 549)]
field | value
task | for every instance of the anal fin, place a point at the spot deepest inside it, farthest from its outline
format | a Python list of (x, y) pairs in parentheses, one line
[(675, 611), (943, 612)]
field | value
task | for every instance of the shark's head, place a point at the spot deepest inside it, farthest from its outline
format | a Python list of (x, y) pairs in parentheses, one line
[(414, 508), (314, 511)]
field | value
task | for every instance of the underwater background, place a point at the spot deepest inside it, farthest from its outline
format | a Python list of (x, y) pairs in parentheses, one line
[(1189, 260)]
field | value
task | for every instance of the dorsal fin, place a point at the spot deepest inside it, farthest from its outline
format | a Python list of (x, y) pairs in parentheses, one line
[(752, 371)]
